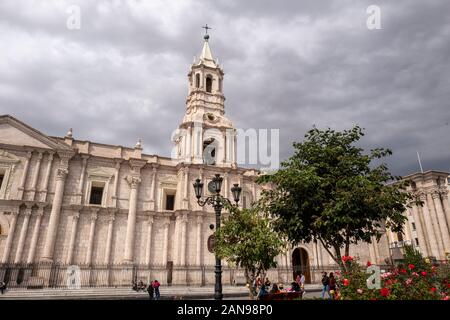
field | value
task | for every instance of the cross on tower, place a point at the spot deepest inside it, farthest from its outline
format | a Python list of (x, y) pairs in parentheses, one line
[(206, 28)]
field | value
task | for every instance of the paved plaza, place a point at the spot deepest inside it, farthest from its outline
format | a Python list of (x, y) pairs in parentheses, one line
[(167, 293)]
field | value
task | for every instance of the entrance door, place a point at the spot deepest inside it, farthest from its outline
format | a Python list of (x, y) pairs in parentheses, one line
[(300, 264)]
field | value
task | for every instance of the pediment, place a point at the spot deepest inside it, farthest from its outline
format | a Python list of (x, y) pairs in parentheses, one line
[(15, 132)]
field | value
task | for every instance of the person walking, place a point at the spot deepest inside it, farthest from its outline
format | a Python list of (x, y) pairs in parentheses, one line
[(156, 286), (332, 286), (325, 285), (150, 290), (302, 281)]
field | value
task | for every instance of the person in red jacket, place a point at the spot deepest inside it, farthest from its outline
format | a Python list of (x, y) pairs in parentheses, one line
[(156, 286)]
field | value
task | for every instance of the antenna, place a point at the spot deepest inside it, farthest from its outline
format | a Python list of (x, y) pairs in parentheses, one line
[(420, 163)]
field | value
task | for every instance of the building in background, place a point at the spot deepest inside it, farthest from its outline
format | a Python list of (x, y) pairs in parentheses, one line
[(120, 214)]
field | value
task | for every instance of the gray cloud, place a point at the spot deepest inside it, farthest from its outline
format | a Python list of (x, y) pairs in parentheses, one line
[(288, 64)]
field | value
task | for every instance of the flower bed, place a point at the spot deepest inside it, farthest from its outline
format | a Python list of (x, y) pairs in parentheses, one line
[(407, 281)]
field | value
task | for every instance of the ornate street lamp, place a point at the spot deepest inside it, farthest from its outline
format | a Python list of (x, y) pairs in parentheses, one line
[(216, 201)]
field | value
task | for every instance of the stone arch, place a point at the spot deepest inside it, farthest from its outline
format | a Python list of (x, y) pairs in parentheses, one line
[(208, 83), (300, 263), (215, 136), (197, 80)]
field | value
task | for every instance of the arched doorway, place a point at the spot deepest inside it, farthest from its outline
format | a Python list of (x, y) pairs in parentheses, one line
[(300, 264)]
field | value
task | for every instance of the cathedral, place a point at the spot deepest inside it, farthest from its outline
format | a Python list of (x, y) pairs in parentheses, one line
[(120, 215)]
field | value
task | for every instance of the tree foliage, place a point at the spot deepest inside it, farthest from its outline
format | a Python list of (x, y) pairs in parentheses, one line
[(248, 240), (330, 191)]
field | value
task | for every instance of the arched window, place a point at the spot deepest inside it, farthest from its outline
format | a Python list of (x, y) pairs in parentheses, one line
[(209, 151), (208, 84), (220, 85), (197, 80)]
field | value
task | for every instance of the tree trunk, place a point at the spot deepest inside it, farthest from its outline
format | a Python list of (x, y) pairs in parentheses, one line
[(249, 284), (341, 264)]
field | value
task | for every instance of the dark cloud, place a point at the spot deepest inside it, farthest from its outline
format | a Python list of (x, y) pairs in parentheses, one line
[(288, 64)]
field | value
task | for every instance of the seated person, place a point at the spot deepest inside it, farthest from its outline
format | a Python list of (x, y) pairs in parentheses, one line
[(295, 287), (274, 288), (262, 292)]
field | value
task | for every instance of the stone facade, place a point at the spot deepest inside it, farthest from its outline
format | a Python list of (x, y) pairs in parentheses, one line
[(116, 211)]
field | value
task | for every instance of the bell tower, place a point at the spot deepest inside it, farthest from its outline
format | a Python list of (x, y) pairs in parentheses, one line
[(206, 135)]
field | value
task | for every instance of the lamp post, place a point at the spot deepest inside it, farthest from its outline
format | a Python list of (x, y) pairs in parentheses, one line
[(217, 202)]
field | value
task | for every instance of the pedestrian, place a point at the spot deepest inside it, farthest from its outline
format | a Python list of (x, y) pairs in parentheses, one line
[(156, 286), (2, 286), (302, 281), (332, 286), (297, 279), (325, 285), (150, 291)]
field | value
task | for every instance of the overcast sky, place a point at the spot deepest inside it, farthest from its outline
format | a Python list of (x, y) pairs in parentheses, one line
[(288, 65)]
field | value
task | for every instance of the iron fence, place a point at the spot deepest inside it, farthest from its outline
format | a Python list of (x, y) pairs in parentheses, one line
[(56, 275)]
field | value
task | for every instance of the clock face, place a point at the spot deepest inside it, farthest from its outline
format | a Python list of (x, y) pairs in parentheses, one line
[(211, 187)]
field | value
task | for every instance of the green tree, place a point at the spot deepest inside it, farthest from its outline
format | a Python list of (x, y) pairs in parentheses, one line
[(248, 240), (330, 191)]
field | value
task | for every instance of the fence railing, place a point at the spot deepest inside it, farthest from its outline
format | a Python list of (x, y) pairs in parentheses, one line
[(55, 275)]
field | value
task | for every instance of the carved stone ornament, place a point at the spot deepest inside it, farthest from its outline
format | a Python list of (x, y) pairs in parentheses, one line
[(133, 181)]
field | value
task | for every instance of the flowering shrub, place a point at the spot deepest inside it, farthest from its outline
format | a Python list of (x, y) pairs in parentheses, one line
[(403, 282)]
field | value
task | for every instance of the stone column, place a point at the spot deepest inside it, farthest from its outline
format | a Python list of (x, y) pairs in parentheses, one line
[(441, 219), (35, 236), (199, 257), (435, 223), (49, 244), (48, 170), (116, 183), (186, 190), (188, 146), (23, 234), (444, 195), (24, 175), (315, 255), (152, 188), (423, 244), (90, 249), (184, 221), (376, 250), (165, 241), (226, 185), (434, 250), (149, 240), (82, 178), (109, 237), (9, 239), (36, 176), (73, 236), (133, 181)]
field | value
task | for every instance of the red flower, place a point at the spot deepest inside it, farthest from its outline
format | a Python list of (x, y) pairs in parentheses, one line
[(347, 258), (384, 292), (411, 266), (424, 273), (369, 263), (433, 290), (448, 285), (403, 271), (345, 282)]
